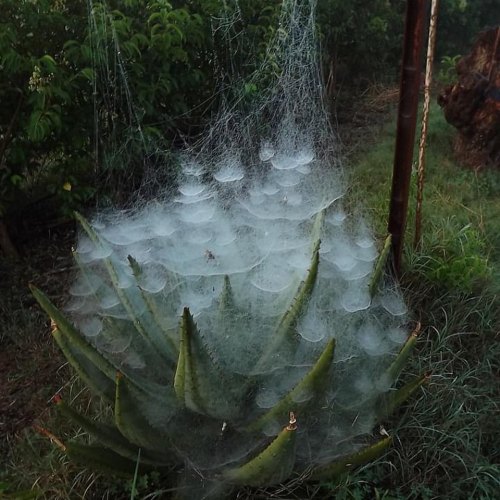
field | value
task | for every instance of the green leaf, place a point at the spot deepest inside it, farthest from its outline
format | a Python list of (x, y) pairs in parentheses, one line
[(199, 383), (72, 336), (380, 266), (188, 373), (107, 435), (122, 294), (329, 472), (133, 421), (393, 399), (102, 459), (49, 63), (39, 126), (88, 73), (285, 332), (163, 343), (272, 466), (227, 313), (289, 320), (88, 371), (397, 365), (306, 391)]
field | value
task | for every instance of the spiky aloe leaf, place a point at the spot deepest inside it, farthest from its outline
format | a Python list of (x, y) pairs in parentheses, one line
[(131, 416), (227, 312), (120, 292), (102, 459), (393, 399), (108, 436), (286, 329), (87, 370), (226, 299), (272, 466), (338, 467), (311, 385), (165, 345), (399, 362), (87, 361), (380, 266), (186, 380), (199, 383), (94, 368), (301, 299)]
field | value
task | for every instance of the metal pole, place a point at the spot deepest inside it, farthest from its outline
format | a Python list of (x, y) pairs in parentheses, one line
[(407, 122)]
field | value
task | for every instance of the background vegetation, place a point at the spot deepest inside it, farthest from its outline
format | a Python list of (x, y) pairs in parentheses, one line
[(58, 79)]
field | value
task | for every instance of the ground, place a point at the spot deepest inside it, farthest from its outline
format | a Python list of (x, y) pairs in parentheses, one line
[(31, 366)]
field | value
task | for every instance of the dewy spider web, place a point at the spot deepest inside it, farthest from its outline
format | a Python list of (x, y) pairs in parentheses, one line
[(249, 202)]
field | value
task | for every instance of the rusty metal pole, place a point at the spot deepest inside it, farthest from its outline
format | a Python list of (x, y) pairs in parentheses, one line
[(407, 121)]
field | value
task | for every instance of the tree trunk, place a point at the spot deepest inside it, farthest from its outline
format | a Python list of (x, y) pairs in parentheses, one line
[(472, 105)]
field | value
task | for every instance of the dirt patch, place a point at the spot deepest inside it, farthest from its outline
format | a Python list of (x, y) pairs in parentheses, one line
[(29, 375), (31, 367)]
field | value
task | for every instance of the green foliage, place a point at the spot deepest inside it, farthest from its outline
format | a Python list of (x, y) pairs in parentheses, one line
[(175, 58), (459, 256), (61, 76), (361, 40), (43, 146), (447, 71), (460, 21)]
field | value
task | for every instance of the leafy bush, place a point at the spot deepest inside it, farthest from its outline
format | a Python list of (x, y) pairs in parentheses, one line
[(44, 124)]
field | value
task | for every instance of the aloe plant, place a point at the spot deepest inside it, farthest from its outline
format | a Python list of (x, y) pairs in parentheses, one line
[(184, 396)]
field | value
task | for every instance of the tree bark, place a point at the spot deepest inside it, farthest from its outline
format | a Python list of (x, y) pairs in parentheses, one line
[(472, 104)]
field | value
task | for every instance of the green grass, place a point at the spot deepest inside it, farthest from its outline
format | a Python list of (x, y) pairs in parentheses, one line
[(447, 438)]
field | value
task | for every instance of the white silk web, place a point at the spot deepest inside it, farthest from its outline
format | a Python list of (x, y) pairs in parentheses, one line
[(246, 204)]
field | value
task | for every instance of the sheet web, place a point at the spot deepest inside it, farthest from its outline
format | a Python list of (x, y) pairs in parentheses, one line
[(250, 202)]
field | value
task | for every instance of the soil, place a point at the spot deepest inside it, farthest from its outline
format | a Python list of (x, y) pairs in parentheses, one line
[(32, 369)]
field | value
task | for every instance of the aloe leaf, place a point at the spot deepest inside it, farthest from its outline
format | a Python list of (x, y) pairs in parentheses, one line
[(229, 318), (317, 227), (72, 337), (226, 299), (102, 459), (393, 399), (272, 466), (107, 435), (311, 385), (397, 365), (199, 383), (338, 467), (89, 372), (95, 369), (380, 266), (285, 331), (186, 383), (165, 344), (301, 299), (131, 417), (121, 293)]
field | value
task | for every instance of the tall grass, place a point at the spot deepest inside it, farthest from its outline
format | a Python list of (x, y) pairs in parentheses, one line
[(447, 437)]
